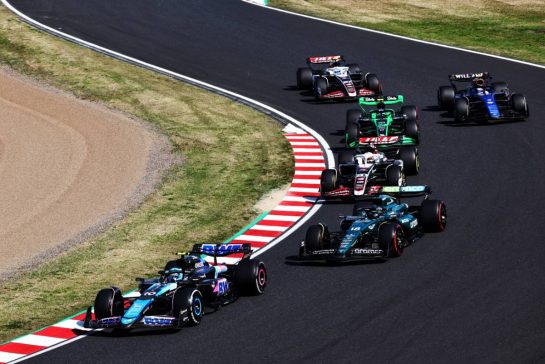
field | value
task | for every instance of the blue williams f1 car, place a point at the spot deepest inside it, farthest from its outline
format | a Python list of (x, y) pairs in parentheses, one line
[(481, 100), (185, 289), (380, 227)]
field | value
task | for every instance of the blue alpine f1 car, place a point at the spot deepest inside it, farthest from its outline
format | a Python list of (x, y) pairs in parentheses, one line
[(185, 289), (381, 226), (481, 100)]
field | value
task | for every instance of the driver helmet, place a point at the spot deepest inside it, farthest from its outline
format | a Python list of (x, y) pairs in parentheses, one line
[(479, 82), (174, 275)]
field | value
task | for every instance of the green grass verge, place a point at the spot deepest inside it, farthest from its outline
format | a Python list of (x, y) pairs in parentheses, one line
[(231, 154), (513, 28)]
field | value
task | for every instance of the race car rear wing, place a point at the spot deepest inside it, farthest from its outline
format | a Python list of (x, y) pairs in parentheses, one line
[(324, 59), (465, 77), (401, 191), (376, 100), (222, 250)]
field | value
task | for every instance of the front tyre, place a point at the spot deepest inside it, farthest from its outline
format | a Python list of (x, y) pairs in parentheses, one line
[(251, 277), (461, 110), (390, 238), (317, 238), (411, 160), (328, 180), (320, 88), (519, 105), (433, 214), (109, 303), (188, 305), (394, 176)]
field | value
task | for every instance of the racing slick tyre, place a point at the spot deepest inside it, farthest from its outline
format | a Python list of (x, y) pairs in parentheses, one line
[(353, 68), (411, 122), (251, 277), (390, 238), (445, 97), (352, 135), (188, 306), (433, 214), (109, 303), (518, 104), (345, 157), (328, 180), (353, 116), (394, 176), (320, 88), (500, 87), (411, 160), (317, 238), (461, 110), (372, 83), (304, 78)]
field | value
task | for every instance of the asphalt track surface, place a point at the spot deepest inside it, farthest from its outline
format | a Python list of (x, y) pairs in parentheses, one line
[(474, 293)]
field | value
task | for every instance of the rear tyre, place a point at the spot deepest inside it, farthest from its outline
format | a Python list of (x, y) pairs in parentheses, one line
[(345, 157), (445, 97), (411, 122), (372, 83), (317, 238), (518, 104), (189, 299), (411, 160), (251, 277), (328, 180), (394, 176), (461, 110), (352, 135), (304, 78), (353, 68), (390, 237), (353, 116), (500, 87), (433, 214), (320, 88), (109, 303)]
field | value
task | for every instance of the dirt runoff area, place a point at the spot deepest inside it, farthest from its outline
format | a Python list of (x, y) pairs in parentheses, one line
[(68, 169)]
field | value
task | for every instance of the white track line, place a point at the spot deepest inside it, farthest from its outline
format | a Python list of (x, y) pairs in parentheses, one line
[(278, 115), (398, 36)]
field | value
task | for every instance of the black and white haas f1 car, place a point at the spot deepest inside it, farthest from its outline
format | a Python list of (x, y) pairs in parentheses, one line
[(481, 100), (360, 171), (185, 289), (330, 78), (381, 226)]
